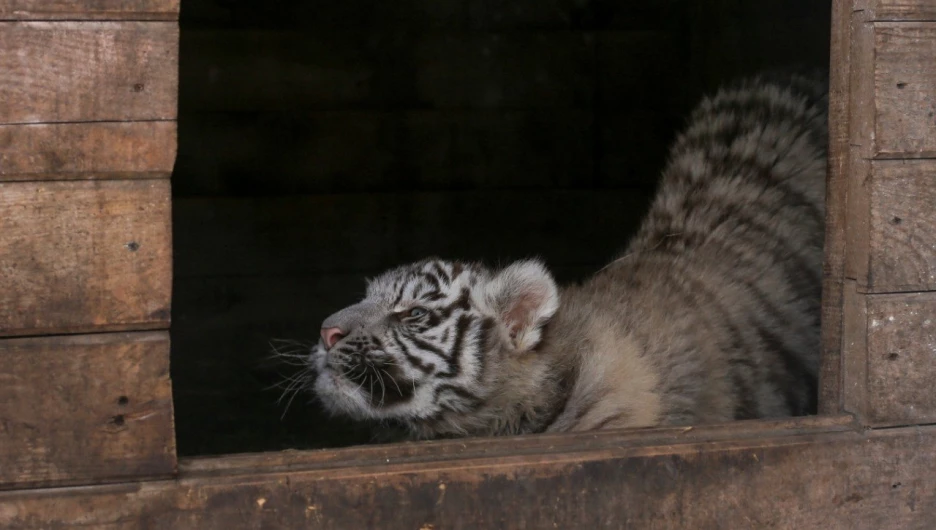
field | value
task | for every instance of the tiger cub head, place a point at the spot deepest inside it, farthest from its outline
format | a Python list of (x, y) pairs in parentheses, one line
[(434, 344)]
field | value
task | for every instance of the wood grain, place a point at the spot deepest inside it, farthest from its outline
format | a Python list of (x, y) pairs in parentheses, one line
[(89, 10), (85, 409), (84, 256), (901, 359), (87, 150), (538, 444), (854, 354), (861, 144), (88, 71), (816, 480), (905, 90), (897, 10), (902, 241), (238, 70), (833, 266)]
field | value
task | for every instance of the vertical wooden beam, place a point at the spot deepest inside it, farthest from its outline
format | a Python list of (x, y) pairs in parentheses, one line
[(833, 270)]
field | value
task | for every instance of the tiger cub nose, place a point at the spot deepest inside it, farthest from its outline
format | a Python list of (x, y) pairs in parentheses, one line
[(330, 336)]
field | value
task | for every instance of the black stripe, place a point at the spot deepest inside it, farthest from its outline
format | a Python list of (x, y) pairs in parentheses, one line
[(544, 416), (736, 351), (754, 104), (745, 400), (433, 296), (795, 375), (794, 364), (614, 417), (595, 399), (454, 360), (440, 270), (433, 281), (432, 321), (470, 400), (802, 279), (425, 345), (463, 302), (352, 371), (741, 171), (415, 361), (710, 304), (399, 296), (394, 390), (800, 276), (482, 345), (415, 287)]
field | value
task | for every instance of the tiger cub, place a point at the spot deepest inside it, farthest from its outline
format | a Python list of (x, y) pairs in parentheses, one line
[(711, 313)]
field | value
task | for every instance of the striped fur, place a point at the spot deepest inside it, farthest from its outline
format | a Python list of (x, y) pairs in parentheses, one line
[(711, 313)]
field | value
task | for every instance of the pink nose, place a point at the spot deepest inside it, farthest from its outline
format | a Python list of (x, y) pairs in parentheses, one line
[(331, 335)]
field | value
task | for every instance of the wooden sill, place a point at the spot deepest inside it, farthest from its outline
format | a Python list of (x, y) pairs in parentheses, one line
[(821, 472), (588, 445)]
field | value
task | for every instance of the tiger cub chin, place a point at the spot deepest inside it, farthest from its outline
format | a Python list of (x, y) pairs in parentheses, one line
[(711, 313)]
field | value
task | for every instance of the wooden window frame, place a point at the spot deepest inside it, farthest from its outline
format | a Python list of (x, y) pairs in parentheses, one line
[(862, 463)]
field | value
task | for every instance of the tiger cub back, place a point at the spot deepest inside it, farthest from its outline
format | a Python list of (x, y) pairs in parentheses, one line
[(710, 314)]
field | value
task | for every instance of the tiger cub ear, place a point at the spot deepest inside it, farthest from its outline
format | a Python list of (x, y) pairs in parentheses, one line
[(526, 297)]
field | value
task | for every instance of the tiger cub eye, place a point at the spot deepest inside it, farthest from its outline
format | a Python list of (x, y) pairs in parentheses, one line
[(417, 312)]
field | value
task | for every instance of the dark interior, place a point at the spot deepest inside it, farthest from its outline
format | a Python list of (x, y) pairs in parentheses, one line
[(323, 141)]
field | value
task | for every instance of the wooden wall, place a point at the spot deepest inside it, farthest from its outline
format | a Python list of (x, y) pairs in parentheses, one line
[(323, 141), (87, 143), (809, 474), (884, 220)]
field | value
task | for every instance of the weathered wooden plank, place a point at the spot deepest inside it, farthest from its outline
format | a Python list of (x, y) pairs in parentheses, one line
[(833, 266), (473, 448), (318, 234), (901, 358), (433, 14), (270, 153), (88, 71), (825, 480), (861, 144), (85, 409), (902, 239), (89, 10), (854, 352), (897, 10), (298, 70), (84, 256), (905, 89), (87, 150)]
